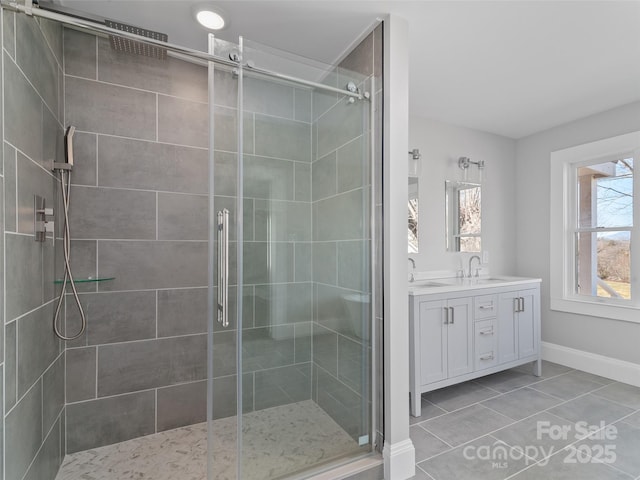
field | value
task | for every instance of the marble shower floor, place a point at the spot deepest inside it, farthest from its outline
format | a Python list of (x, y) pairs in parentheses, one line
[(276, 442)]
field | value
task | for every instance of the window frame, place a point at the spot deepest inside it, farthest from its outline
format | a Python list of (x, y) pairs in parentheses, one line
[(564, 166)]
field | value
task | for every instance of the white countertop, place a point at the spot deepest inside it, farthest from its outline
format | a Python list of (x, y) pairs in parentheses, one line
[(446, 285)]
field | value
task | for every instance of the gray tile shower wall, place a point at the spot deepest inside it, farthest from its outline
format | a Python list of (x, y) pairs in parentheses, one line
[(32, 367), (341, 244), (140, 214)]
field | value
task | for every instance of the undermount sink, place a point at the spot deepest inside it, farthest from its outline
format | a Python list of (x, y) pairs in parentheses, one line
[(427, 283), (491, 279)]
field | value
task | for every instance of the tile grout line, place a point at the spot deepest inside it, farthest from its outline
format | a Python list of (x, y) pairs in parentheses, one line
[(156, 313), (451, 447), (97, 347), (157, 116)]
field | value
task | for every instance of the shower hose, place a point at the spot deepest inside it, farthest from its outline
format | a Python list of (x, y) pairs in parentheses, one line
[(65, 187)]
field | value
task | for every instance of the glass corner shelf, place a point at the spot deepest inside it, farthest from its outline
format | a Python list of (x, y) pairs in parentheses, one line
[(87, 280)]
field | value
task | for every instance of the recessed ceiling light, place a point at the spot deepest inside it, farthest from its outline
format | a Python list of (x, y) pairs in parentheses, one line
[(210, 19)]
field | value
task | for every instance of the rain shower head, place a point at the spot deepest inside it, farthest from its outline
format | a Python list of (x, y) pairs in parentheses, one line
[(118, 43), (138, 48)]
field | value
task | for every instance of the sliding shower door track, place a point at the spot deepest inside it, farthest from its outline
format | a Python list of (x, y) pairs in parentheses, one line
[(95, 26)]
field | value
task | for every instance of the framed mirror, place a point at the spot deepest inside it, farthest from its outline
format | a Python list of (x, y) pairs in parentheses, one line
[(413, 215), (463, 202)]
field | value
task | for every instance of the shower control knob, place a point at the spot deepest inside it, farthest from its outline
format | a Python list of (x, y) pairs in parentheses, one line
[(47, 212)]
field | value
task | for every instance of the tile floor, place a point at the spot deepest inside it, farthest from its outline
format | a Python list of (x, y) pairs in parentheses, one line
[(277, 442), (566, 424)]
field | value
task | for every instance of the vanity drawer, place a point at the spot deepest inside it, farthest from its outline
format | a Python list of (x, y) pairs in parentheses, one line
[(485, 344), (485, 306)]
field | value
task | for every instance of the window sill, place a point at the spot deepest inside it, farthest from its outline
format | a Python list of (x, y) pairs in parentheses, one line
[(624, 313)]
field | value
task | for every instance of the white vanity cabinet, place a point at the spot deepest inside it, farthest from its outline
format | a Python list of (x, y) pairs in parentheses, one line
[(457, 334), (445, 332), (517, 315)]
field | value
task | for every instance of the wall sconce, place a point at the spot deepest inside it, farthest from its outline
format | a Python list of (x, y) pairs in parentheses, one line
[(414, 162), (465, 162)]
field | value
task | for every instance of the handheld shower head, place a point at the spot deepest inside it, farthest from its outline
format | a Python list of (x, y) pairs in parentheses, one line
[(68, 144), (68, 151)]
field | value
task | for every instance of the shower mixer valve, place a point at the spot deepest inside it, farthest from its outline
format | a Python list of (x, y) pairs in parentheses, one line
[(41, 226)]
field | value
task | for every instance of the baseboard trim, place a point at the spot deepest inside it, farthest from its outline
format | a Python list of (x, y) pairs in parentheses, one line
[(619, 370), (399, 460)]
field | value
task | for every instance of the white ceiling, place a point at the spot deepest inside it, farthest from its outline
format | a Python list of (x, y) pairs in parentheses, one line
[(508, 67)]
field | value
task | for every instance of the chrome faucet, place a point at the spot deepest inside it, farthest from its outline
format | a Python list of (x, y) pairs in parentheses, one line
[(413, 263), (471, 261)]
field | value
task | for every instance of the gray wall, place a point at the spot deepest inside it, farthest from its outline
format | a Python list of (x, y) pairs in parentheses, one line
[(34, 375), (342, 241), (611, 338)]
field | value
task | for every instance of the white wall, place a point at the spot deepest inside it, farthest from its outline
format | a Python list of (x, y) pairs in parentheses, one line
[(441, 145), (611, 338)]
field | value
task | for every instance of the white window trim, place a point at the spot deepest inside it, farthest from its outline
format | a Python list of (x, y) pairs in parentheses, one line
[(562, 263)]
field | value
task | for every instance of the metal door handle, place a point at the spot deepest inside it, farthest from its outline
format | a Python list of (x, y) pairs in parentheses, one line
[(486, 307), (486, 332), (522, 304), (488, 356), (516, 304), (446, 316), (453, 315), (223, 267)]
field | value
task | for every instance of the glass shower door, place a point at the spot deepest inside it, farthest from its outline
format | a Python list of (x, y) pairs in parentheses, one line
[(299, 269)]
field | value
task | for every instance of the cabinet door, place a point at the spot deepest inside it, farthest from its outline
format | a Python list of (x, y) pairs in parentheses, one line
[(460, 337), (507, 333), (433, 342), (527, 324)]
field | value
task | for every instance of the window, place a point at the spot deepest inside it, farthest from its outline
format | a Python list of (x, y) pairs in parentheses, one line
[(595, 244)]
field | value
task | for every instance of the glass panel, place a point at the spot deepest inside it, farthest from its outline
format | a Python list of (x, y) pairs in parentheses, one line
[(604, 264), (222, 393), (305, 349), (605, 197)]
